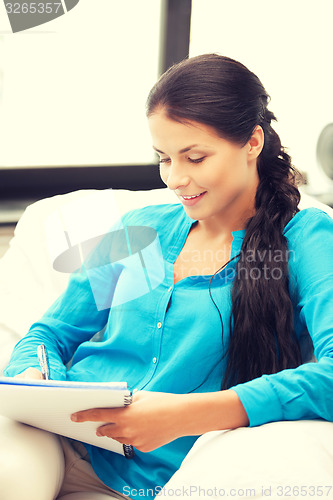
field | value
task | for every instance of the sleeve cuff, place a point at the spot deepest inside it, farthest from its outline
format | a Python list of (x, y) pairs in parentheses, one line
[(260, 401)]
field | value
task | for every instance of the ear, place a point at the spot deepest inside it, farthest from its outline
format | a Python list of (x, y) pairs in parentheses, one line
[(256, 143)]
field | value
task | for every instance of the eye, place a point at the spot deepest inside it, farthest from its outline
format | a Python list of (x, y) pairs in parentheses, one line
[(196, 160), (164, 160)]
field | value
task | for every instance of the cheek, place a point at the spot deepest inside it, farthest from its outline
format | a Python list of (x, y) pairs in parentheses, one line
[(238, 170), (231, 179), (163, 174), (230, 170)]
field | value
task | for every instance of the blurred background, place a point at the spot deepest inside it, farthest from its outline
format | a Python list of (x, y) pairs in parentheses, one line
[(73, 90)]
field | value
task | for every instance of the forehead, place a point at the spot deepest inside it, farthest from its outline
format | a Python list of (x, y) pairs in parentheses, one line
[(173, 134)]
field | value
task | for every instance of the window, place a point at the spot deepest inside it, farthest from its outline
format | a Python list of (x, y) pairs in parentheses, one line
[(288, 44), (74, 89)]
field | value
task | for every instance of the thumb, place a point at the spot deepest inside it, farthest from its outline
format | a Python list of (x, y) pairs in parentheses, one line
[(30, 373)]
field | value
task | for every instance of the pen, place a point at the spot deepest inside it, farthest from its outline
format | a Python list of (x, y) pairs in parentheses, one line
[(43, 361)]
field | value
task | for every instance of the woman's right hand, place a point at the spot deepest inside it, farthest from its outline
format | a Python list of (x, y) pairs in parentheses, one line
[(30, 373)]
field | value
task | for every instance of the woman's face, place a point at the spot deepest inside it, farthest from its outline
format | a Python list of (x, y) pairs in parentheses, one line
[(210, 175)]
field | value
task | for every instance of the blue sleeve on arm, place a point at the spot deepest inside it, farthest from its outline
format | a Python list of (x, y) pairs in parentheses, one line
[(71, 320), (303, 392), (76, 316)]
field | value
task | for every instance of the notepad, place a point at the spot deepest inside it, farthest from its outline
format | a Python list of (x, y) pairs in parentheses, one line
[(48, 405)]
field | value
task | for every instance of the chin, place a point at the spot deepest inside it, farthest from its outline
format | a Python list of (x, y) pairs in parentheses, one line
[(197, 213)]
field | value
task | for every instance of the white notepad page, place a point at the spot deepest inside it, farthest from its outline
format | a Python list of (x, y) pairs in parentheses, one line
[(48, 405)]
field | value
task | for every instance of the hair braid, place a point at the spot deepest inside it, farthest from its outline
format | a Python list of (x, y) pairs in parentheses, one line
[(263, 339)]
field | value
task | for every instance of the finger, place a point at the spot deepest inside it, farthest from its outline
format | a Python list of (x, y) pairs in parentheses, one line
[(110, 430), (30, 373), (107, 431), (96, 415)]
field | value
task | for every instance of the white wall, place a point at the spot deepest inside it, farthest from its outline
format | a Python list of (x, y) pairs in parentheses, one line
[(289, 45)]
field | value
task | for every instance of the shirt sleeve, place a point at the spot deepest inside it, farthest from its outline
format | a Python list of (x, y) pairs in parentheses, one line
[(303, 392), (77, 315)]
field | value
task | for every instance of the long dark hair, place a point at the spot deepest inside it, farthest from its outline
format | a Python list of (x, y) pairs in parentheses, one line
[(220, 92)]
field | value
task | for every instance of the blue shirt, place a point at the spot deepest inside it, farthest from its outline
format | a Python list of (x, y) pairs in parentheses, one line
[(161, 336)]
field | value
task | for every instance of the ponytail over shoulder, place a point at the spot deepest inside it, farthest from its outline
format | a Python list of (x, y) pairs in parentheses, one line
[(263, 340), (222, 93)]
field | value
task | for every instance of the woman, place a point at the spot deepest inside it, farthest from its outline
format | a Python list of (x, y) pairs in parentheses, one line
[(246, 289)]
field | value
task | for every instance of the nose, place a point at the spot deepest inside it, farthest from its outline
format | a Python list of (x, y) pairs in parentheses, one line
[(176, 176)]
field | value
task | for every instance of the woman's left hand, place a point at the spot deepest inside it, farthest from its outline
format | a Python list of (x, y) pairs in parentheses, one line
[(152, 420)]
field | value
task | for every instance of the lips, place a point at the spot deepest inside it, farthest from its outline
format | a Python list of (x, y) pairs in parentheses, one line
[(191, 200)]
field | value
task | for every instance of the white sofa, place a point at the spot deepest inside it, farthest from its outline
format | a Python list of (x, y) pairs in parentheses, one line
[(29, 284)]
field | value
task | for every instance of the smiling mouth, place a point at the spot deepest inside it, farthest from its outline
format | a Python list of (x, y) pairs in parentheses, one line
[(191, 197)]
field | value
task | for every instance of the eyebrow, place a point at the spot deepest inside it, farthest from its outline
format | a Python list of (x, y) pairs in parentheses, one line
[(184, 150)]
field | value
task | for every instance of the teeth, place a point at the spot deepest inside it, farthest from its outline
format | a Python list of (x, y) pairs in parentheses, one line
[(190, 197)]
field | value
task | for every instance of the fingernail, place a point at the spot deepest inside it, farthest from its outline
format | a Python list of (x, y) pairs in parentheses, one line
[(98, 433), (74, 417)]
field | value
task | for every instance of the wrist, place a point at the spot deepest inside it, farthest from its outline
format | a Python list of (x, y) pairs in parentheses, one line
[(205, 412)]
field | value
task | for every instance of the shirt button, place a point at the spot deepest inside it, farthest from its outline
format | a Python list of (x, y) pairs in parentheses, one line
[(159, 324), (154, 360), (169, 289)]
